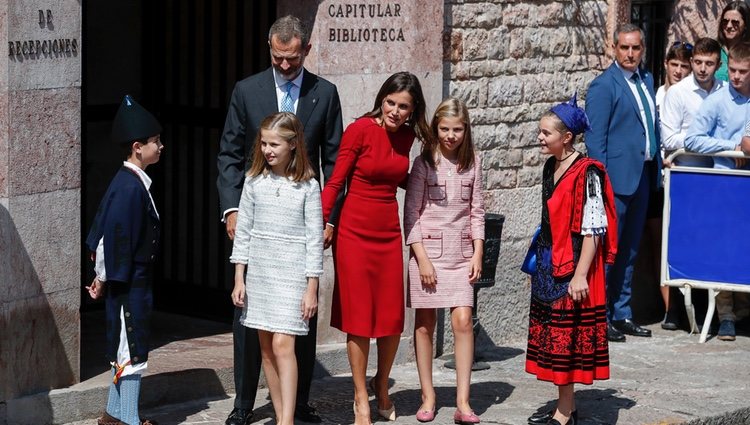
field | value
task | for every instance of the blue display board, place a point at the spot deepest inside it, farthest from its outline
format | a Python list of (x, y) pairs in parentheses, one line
[(709, 227)]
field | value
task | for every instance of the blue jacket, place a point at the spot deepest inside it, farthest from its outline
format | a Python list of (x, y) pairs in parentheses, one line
[(617, 137), (130, 227)]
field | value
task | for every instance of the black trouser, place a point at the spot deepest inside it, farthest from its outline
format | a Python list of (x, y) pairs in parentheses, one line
[(247, 361)]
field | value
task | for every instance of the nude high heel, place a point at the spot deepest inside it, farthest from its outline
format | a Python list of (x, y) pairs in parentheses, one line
[(387, 414)]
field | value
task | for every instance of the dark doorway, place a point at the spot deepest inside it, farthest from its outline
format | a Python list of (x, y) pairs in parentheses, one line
[(654, 17), (180, 59)]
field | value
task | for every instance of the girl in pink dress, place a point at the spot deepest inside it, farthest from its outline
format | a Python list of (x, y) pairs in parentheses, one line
[(444, 225)]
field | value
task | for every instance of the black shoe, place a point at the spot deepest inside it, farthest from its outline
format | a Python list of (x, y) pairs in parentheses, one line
[(541, 418), (544, 418), (571, 421), (614, 335), (307, 413), (671, 321), (240, 417), (627, 326)]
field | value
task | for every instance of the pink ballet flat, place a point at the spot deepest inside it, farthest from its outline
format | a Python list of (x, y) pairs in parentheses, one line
[(426, 415), (465, 418)]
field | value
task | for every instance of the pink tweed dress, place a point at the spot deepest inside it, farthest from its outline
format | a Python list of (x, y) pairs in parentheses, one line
[(444, 210)]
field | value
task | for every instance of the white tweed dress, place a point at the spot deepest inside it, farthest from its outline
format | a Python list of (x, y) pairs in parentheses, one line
[(279, 236)]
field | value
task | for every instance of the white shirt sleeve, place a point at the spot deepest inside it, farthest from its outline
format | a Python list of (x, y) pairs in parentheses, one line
[(99, 268), (672, 116), (594, 216)]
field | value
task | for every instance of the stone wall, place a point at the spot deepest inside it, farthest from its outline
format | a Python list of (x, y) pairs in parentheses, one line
[(40, 76), (510, 61), (692, 20)]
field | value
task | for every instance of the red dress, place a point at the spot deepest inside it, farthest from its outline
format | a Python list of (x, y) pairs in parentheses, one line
[(368, 294)]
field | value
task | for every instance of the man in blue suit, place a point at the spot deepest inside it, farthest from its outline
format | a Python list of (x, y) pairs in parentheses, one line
[(624, 136)]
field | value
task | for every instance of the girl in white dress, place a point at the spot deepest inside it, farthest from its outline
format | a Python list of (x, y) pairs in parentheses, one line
[(280, 241)]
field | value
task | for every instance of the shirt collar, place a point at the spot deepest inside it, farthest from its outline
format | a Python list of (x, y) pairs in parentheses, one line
[(281, 82), (735, 94), (694, 86), (140, 173), (625, 73)]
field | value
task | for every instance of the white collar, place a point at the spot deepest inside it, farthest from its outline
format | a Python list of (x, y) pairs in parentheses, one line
[(696, 87), (140, 173), (281, 82), (628, 74)]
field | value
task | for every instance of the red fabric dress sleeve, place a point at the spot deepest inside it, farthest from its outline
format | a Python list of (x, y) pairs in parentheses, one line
[(351, 146)]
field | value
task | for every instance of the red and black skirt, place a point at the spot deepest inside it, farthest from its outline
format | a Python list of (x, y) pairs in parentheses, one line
[(568, 340)]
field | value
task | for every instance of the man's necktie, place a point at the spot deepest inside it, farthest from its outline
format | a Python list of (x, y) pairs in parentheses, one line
[(652, 146), (287, 103)]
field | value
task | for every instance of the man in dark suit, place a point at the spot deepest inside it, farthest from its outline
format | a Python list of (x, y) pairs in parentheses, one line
[(624, 136), (286, 86)]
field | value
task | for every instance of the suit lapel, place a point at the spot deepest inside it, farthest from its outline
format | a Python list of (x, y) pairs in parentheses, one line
[(267, 94), (619, 79), (308, 97)]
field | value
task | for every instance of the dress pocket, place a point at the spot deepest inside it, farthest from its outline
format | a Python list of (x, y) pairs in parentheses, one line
[(433, 244), (466, 189), (467, 244), (436, 192)]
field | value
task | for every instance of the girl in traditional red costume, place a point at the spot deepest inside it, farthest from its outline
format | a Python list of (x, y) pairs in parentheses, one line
[(578, 235)]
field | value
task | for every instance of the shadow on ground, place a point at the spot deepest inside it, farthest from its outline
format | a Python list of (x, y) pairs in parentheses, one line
[(595, 406)]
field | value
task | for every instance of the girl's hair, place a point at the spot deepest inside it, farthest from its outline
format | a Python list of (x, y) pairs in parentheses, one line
[(744, 10), (450, 108), (289, 128), (398, 82), (559, 125)]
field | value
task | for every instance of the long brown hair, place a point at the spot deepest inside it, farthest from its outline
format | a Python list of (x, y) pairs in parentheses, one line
[(408, 82), (744, 11), (450, 108), (289, 128)]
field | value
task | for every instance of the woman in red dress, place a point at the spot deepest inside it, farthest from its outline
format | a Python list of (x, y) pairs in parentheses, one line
[(368, 296), (567, 321)]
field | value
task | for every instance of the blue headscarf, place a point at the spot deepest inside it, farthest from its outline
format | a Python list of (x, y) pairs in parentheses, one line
[(572, 116)]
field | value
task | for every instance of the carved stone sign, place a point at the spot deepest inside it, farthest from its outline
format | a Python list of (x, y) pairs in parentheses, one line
[(44, 44), (36, 49), (377, 36), (365, 11)]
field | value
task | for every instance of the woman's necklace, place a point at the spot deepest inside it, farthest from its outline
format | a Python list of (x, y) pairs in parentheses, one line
[(562, 167), (568, 156)]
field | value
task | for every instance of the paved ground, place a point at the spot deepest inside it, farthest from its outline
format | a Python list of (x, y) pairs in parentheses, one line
[(667, 379)]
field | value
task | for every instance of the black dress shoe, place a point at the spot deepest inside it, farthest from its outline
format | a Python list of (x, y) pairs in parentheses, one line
[(240, 417), (540, 418), (614, 335), (627, 326), (571, 421), (544, 418), (307, 413), (671, 320)]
